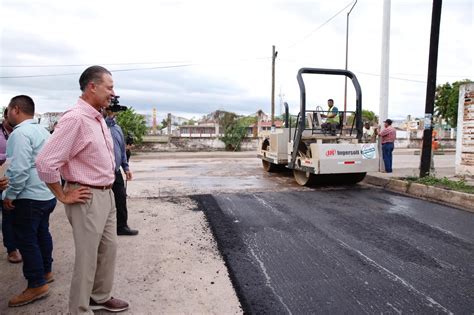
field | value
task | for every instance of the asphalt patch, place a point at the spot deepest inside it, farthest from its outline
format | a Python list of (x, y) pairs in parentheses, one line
[(246, 276), (342, 251)]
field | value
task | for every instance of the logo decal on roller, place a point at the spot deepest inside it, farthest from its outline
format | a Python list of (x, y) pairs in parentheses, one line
[(331, 152), (368, 151)]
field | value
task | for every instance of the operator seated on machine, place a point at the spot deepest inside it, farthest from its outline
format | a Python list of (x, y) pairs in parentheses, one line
[(332, 119)]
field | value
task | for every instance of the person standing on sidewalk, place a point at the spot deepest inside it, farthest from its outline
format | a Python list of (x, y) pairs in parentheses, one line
[(81, 150), (119, 186), (388, 135), (14, 255), (29, 200)]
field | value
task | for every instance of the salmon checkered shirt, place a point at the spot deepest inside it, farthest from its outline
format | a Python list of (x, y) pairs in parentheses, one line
[(388, 135), (80, 149)]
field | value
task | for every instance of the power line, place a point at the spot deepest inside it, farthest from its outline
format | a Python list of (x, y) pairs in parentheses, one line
[(85, 65), (122, 70), (439, 75), (77, 73), (396, 74), (319, 27), (394, 78), (118, 64)]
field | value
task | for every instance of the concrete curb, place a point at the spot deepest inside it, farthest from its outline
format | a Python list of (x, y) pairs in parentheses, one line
[(448, 197)]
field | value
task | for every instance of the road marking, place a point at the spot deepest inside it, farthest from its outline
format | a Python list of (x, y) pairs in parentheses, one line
[(268, 279), (393, 276)]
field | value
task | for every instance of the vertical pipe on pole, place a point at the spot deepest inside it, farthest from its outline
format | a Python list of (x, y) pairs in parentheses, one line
[(273, 86), (384, 69), (347, 57), (425, 162), (384, 72)]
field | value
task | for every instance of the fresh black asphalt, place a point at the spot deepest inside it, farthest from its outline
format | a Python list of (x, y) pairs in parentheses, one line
[(344, 251)]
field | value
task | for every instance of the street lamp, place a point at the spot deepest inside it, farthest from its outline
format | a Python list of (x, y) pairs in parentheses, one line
[(347, 50)]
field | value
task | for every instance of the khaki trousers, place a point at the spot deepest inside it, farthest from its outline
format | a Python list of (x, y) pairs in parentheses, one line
[(94, 227)]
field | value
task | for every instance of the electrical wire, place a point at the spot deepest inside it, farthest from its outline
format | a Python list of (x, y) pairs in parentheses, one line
[(86, 65), (319, 27), (77, 73), (119, 70), (393, 78)]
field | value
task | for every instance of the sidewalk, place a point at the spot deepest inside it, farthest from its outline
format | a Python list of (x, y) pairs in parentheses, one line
[(407, 165)]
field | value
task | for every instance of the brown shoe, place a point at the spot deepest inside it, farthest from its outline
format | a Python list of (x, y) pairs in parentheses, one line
[(15, 257), (49, 277), (112, 305), (29, 295)]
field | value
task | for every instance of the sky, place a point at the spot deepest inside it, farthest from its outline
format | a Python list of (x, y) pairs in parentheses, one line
[(190, 58)]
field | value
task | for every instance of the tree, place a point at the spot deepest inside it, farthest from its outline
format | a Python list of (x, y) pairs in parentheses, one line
[(233, 136), (235, 130), (132, 124), (446, 101), (367, 116), (164, 123)]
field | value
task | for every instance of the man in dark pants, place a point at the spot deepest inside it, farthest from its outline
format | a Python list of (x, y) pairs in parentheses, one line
[(119, 186), (29, 200)]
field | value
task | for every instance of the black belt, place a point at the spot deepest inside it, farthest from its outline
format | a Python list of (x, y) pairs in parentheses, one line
[(92, 186)]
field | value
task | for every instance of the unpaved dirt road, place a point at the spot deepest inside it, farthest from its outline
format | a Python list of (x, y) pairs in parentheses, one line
[(172, 267)]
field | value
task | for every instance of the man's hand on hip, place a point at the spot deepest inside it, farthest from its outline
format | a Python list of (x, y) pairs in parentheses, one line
[(76, 195)]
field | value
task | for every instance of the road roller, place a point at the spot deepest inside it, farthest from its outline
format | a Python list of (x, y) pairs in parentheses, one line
[(316, 150)]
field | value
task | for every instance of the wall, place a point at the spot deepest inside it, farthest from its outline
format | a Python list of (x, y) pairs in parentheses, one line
[(465, 135), (193, 144), (417, 143), (177, 144)]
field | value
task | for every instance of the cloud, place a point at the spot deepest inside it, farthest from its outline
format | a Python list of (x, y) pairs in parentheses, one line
[(229, 45)]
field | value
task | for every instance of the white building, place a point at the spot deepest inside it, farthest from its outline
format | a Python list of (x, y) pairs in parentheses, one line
[(465, 131)]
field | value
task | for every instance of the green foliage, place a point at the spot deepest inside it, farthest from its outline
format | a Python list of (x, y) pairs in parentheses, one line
[(446, 101), (367, 116), (133, 124), (191, 122), (235, 130), (226, 119), (457, 185), (234, 134), (164, 123)]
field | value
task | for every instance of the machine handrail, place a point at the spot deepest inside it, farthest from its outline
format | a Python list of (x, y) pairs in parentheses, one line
[(302, 114)]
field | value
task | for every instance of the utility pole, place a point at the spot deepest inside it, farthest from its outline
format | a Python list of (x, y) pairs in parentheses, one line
[(384, 72), (347, 53), (274, 55), (430, 89)]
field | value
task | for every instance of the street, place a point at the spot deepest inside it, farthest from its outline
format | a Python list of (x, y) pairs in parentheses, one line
[(218, 235), (352, 250)]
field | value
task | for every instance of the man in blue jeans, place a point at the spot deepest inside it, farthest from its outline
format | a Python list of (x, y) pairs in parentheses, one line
[(388, 135), (29, 200)]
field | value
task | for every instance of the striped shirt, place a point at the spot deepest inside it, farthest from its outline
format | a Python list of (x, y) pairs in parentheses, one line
[(388, 135), (81, 149)]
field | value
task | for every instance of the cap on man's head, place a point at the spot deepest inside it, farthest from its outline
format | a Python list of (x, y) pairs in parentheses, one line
[(388, 121)]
